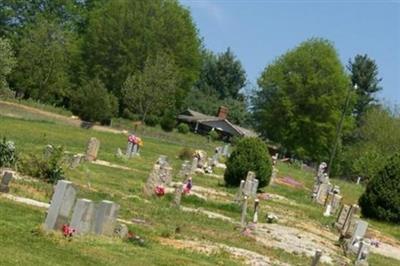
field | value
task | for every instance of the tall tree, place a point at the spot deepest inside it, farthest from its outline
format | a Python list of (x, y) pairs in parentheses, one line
[(42, 70), (301, 99), (7, 63), (364, 73), (122, 34), (151, 91)]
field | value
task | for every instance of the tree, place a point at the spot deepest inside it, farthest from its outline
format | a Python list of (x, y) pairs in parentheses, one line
[(301, 98), (251, 154), (7, 63), (42, 70), (378, 139), (364, 73), (93, 103), (153, 90), (122, 34), (381, 199)]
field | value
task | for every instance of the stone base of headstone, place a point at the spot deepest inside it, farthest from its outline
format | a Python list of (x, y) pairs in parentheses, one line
[(121, 230), (61, 205)]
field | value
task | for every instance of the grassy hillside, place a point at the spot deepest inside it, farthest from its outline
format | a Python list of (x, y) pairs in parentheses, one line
[(22, 243)]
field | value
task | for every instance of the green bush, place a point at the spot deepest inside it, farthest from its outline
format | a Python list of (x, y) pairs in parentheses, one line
[(46, 167), (251, 154), (8, 155), (183, 128), (213, 135), (186, 154), (152, 120), (168, 121), (93, 102), (381, 199)]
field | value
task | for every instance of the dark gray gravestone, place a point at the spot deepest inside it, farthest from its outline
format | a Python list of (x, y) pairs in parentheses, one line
[(5, 181)]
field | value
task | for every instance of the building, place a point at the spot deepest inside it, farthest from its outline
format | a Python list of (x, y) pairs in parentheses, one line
[(203, 124)]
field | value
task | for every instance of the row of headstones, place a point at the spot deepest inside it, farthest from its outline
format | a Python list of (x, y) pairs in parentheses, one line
[(352, 232), (87, 216)]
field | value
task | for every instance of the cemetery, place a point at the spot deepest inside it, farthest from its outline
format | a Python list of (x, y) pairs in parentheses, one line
[(161, 207)]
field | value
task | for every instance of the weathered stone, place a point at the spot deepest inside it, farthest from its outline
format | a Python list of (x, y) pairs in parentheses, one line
[(92, 149), (244, 212), (178, 194), (341, 220), (357, 235), (152, 180), (76, 160), (129, 149), (106, 217), (322, 194), (83, 216), (61, 205), (121, 230), (336, 201), (5, 181)]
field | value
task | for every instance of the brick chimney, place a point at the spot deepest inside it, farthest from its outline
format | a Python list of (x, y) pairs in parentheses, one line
[(222, 112)]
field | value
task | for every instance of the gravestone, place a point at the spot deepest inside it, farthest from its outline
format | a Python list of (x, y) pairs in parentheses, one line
[(161, 174), (121, 230), (357, 235), (195, 163), (48, 151), (316, 258), (341, 220), (129, 149), (244, 212), (76, 160), (336, 201), (178, 194), (152, 180), (5, 181), (92, 149), (105, 218), (322, 193), (185, 169), (256, 207), (83, 216), (239, 194), (61, 205), (362, 253)]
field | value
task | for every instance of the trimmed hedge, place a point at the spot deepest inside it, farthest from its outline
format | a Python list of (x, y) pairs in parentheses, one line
[(251, 154), (381, 199)]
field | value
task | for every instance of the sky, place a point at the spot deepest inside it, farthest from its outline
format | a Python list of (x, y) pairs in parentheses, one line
[(258, 31)]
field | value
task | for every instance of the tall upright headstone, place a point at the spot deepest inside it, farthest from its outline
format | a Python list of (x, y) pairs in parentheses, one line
[(244, 211), (5, 181), (195, 163), (92, 149), (357, 235), (178, 194), (83, 216), (61, 205), (106, 217)]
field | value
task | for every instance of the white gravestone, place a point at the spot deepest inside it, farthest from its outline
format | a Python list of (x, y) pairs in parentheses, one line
[(83, 216), (358, 234), (61, 205)]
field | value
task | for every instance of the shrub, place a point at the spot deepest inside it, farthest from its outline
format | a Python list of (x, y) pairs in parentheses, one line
[(47, 167), (8, 155), (183, 128), (168, 121), (152, 120), (186, 154), (93, 102), (213, 135), (381, 199), (251, 154)]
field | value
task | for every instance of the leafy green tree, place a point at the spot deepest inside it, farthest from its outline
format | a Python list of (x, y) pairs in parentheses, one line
[(7, 63), (251, 154), (301, 99), (378, 139), (364, 73), (122, 34), (152, 90), (43, 59), (93, 103), (381, 200)]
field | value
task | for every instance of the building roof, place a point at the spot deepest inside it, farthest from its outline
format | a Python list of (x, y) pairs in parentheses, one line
[(193, 116)]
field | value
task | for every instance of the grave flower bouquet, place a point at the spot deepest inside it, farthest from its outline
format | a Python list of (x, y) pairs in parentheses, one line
[(135, 140)]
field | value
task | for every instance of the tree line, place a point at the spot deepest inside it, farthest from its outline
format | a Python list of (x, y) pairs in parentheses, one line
[(145, 60)]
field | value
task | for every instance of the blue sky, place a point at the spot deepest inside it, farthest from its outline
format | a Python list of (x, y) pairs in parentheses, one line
[(260, 30)]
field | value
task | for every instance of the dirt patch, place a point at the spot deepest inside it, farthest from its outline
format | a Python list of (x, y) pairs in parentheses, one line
[(248, 257)]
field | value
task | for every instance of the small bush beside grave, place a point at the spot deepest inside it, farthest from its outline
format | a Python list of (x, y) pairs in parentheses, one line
[(168, 122), (251, 154), (381, 199), (8, 155), (186, 153), (47, 166), (152, 120), (183, 128)]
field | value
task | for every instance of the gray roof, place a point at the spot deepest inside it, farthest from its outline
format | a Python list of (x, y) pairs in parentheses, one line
[(193, 116)]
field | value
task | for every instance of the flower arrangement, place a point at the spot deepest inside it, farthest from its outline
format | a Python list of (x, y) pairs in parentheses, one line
[(135, 140), (67, 230), (159, 190)]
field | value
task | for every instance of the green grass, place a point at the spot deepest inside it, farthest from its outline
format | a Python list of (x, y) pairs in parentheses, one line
[(126, 188)]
